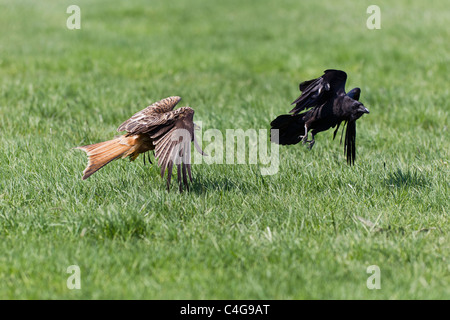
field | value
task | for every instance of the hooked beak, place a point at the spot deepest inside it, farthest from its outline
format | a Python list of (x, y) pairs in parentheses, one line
[(363, 109), (196, 126)]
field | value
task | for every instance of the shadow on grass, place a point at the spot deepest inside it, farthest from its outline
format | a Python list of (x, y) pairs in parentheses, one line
[(401, 178)]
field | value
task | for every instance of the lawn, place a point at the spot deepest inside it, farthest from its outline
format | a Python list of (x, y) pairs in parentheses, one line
[(309, 231)]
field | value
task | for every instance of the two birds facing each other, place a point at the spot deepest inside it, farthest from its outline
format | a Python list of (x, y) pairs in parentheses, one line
[(169, 132)]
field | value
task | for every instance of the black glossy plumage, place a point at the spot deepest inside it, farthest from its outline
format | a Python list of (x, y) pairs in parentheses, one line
[(328, 105)]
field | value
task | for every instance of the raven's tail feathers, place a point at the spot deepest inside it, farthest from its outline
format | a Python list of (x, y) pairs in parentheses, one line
[(291, 129)]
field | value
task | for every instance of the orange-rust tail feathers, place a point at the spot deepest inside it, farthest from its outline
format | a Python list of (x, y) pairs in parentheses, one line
[(100, 154)]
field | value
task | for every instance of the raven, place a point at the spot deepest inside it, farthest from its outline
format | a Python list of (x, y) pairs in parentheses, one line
[(330, 106)]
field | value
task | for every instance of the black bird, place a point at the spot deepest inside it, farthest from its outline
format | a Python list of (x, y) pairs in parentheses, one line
[(330, 106)]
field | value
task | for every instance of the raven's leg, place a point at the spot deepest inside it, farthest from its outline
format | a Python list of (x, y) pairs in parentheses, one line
[(305, 137), (311, 143)]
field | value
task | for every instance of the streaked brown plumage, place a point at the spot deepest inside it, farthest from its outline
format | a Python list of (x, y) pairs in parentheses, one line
[(158, 127)]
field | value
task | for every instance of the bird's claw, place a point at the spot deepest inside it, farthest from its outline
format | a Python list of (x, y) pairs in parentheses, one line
[(310, 142)]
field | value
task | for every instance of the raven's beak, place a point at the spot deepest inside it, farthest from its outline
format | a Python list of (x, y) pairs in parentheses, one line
[(363, 109)]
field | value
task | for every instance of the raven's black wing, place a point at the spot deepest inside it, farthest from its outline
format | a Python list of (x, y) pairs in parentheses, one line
[(317, 91), (350, 142), (354, 93)]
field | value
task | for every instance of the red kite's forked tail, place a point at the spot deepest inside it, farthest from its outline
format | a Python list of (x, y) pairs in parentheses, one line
[(100, 154)]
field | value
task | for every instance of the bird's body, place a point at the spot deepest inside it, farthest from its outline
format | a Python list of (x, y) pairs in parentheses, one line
[(158, 127), (329, 105)]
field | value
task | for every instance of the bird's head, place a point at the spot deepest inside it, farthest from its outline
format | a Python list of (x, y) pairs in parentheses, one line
[(357, 110)]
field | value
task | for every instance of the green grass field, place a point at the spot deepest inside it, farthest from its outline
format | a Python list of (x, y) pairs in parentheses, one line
[(299, 234)]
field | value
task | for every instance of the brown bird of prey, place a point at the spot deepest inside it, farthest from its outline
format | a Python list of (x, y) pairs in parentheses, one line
[(158, 127), (328, 106)]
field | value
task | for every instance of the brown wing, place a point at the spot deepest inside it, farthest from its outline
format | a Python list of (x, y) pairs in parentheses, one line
[(173, 145), (144, 120)]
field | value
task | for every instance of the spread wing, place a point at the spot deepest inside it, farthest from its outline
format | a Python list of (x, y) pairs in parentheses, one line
[(173, 145), (144, 120), (171, 132), (317, 91)]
